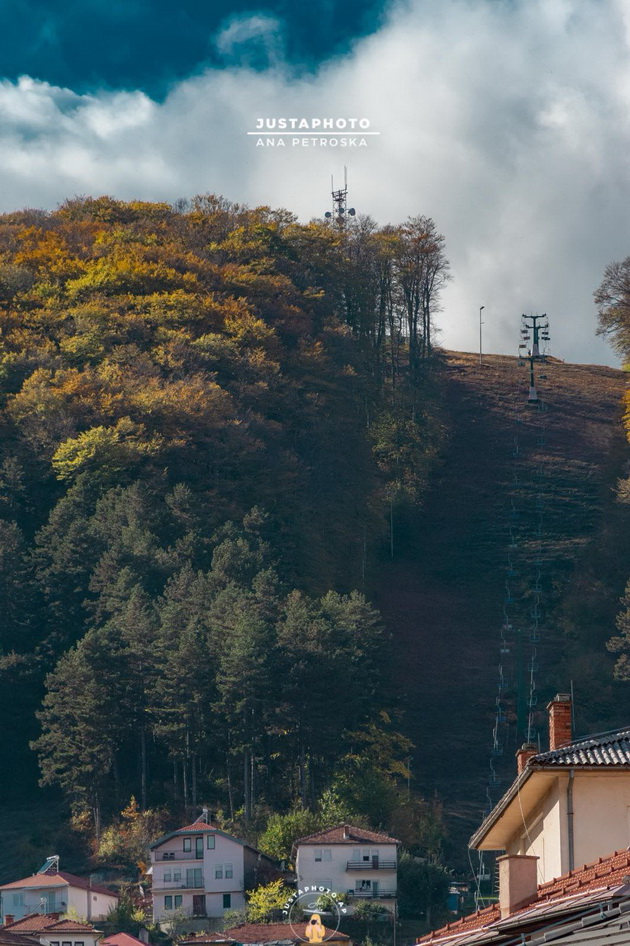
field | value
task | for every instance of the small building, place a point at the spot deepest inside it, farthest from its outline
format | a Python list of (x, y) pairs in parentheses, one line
[(567, 806), (51, 890), (359, 863), (53, 930), (265, 934), (200, 871)]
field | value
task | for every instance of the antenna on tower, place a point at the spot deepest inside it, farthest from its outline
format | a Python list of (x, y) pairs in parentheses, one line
[(340, 210)]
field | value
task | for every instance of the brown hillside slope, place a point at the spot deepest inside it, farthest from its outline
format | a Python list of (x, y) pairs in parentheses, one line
[(540, 480)]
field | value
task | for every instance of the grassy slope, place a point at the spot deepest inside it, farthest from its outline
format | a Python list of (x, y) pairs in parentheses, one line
[(443, 596)]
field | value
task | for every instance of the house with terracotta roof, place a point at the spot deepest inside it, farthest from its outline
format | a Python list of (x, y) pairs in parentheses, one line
[(12, 939), (201, 871), (354, 861), (567, 806), (265, 934), (589, 906), (125, 939), (53, 891), (52, 930)]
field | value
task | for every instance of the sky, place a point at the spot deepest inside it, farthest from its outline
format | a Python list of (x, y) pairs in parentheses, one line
[(506, 121)]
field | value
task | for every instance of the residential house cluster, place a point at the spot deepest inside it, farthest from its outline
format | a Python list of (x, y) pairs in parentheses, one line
[(200, 872)]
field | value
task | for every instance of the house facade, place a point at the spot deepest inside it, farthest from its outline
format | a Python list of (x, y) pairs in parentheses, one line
[(567, 806), (359, 863), (201, 871), (55, 891)]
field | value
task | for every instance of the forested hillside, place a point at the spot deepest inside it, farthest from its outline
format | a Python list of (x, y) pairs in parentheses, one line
[(212, 419)]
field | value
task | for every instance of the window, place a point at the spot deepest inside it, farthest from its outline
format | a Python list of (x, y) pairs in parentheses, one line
[(178, 900), (79, 942), (167, 876), (168, 903), (211, 843), (18, 899), (187, 845), (364, 884), (168, 856), (66, 943), (194, 877), (328, 855), (318, 854), (228, 871), (199, 847), (177, 876), (356, 855), (227, 901), (218, 872)]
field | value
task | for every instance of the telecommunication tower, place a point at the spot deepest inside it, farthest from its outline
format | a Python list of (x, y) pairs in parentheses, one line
[(340, 210), (534, 332)]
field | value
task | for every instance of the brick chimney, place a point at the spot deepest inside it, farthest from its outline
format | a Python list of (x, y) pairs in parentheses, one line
[(524, 754), (518, 882), (560, 721), (9, 918), (346, 832)]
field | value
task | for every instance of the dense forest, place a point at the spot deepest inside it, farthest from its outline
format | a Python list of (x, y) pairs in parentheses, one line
[(613, 302), (211, 421)]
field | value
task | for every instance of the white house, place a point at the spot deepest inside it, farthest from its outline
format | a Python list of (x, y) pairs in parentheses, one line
[(51, 930), (360, 863), (55, 891), (201, 871), (568, 806)]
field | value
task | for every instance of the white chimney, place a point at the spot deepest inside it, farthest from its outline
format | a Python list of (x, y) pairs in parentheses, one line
[(518, 882)]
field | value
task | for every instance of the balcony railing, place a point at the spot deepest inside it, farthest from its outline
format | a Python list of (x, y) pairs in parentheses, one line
[(177, 885), (371, 865), (176, 856), (372, 894)]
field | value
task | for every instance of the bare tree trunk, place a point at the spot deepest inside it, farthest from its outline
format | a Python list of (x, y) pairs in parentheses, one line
[(247, 805), (230, 789), (143, 769), (194, 779)]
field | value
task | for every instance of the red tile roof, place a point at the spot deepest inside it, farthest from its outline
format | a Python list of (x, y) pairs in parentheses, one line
[(199, 826), (38, 922), (578, 887), (60, 879), (14, 939), (121, 939), (347, 834), (258, 933)]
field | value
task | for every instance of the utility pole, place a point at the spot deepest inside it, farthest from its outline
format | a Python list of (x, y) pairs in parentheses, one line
[(481, 308), (535, 332)]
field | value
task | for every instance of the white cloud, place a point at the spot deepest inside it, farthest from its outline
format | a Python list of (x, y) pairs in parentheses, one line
[(507, 122)]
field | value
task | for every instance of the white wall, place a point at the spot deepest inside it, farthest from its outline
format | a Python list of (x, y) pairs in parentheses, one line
[(227, 857), (332, 870)]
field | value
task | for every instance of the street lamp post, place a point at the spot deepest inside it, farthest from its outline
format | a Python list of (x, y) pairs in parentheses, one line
[(481, 308)]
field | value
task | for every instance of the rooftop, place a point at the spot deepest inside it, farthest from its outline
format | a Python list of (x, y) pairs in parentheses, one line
[(39, 922), (347, 834), (590, 887), (60, 879), (608, 749), (259, 933), (121, 939)]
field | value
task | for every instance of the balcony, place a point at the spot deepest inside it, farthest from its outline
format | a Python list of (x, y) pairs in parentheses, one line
[(178, 884), (176, 856), (380, 894), (373, 864)]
